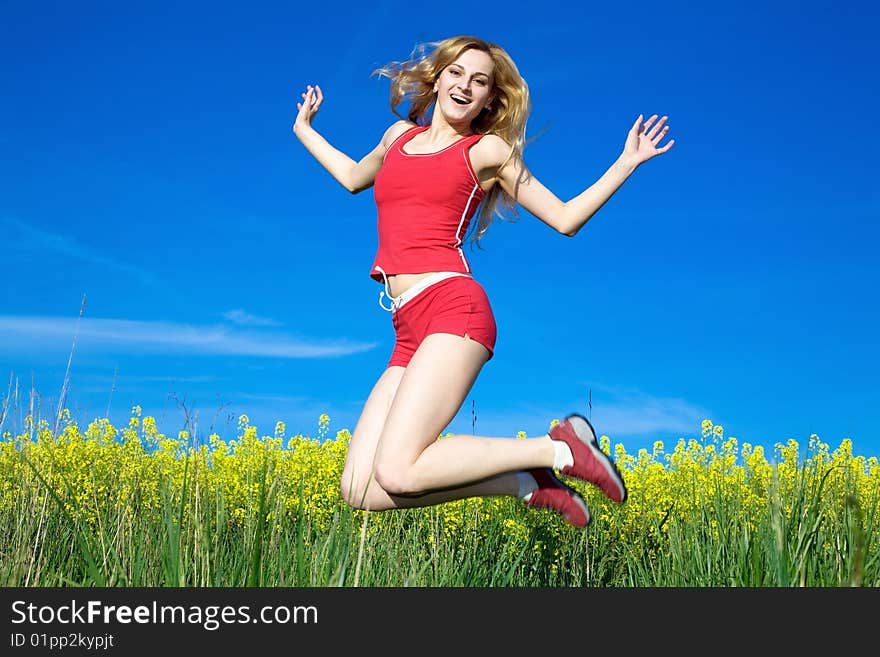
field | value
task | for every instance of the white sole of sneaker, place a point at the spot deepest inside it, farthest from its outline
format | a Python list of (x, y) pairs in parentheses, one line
[(585, 432)]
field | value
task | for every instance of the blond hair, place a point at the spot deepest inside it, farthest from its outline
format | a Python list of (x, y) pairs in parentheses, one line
[(510, 107)]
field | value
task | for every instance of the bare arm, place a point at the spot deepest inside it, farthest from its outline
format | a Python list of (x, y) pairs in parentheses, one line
[(354, 176), (569, 217)]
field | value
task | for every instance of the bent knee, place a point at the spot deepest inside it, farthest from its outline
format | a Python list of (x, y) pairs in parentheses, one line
[(396, 479)]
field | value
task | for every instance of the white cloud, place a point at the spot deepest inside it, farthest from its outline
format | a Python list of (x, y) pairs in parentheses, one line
[(18, 334), (244, 318), (621, 414), (41, 241)]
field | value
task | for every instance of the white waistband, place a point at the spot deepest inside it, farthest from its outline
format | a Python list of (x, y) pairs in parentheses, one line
[(397, 302)]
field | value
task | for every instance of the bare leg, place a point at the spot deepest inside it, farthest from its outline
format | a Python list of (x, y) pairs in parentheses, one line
[(395, 459)]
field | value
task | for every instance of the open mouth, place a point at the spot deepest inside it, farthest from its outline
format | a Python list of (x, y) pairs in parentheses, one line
[(460, 100)]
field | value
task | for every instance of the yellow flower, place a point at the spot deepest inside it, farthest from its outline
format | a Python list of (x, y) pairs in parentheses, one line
[(707, 428), (100, 478), (323, 425), (243, 422)]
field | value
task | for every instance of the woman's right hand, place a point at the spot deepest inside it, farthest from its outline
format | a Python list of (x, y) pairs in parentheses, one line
[(309, 107)]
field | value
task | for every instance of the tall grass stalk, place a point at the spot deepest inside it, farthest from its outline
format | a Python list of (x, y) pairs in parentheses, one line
[(131, 507), (65, 386)]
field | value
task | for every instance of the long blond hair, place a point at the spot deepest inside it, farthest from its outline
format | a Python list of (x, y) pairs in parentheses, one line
[(414, 79)]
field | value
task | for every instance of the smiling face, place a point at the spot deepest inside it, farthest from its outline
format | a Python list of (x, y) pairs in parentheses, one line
[(464, 87)]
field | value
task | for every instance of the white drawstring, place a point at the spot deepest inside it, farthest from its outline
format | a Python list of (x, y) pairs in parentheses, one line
[(387, 292), (397, 302)]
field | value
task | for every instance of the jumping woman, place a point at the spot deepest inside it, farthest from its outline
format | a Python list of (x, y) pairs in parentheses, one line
[(429, 176)]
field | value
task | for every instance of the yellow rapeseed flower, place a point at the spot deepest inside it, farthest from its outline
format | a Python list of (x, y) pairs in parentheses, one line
[(104, 472)]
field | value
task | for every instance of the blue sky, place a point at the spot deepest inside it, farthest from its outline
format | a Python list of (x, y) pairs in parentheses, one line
[(148, 164)]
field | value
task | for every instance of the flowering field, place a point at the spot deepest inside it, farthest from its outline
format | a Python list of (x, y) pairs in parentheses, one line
[(130, 506)]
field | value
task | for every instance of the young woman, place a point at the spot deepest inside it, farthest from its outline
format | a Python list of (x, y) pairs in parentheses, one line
[(430, 175)]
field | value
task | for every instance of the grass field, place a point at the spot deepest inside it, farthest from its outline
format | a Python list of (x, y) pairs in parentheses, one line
[(131, 506)]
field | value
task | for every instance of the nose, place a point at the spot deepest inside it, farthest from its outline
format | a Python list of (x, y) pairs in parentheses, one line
[(464, 85)]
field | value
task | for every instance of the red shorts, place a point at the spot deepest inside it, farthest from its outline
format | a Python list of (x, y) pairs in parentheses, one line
[(456, 305)]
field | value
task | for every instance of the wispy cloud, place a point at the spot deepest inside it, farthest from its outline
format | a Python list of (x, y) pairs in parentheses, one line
[(244, 318), (631, 411), (41, 240), (38, 333), (648, 416), (620, 413)]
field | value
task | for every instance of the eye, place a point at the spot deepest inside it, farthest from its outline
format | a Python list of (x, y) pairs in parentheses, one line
[(453, 71)]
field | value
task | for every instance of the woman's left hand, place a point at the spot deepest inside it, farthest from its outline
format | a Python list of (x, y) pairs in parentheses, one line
[(641, 145)]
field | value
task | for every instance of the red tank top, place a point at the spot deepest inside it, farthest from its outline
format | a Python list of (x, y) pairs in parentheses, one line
[(425, 202)]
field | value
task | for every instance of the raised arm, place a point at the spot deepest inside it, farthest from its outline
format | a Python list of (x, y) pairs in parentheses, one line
[(354, 176), (569, 217)]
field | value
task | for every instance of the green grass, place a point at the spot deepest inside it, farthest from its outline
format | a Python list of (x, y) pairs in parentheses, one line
[(806, 535)]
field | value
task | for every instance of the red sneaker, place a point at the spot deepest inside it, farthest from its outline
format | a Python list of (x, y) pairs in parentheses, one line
[(591, 464), (551, 493)]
